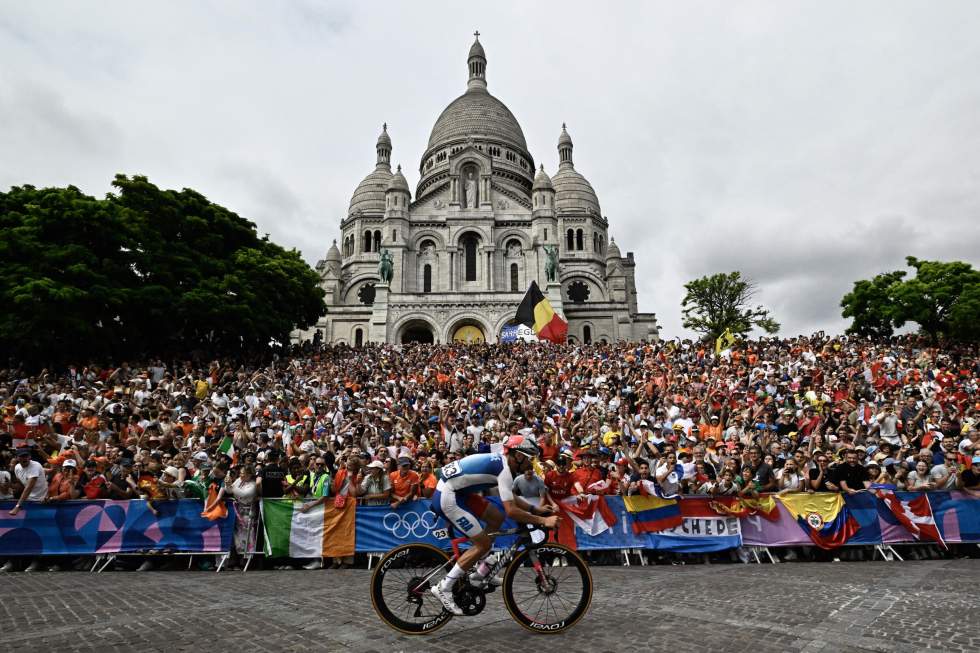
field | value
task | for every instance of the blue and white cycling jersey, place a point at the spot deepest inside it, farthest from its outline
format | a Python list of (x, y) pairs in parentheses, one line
[(478, 472)]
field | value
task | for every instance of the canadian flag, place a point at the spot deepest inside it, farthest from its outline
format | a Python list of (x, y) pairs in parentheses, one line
[(587, 511), (915, 515)]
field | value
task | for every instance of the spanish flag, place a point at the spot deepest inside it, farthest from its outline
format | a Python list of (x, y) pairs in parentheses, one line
[(535, 312), (742, 507)]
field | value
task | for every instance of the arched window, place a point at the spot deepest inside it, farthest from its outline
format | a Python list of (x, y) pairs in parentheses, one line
[(367, 241), (595, 242), (427, 278), (570, 237), (514, 282), (469, 253), (358, 337), (578, 240), (587, 334), (377, 241)]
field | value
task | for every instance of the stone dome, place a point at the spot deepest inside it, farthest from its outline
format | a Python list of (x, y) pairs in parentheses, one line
[(369, 196), (542, 181), (476, 113), (612, 250), (333, 254), (476, 50), (564, 138), (398, 182), (384, 138), (573, 192)]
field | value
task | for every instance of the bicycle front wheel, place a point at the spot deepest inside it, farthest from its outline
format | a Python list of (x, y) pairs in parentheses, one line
[(400, 589), (554, 599)]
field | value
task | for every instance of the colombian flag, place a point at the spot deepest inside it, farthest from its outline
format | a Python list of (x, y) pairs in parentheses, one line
[(535, 312), (653, 514), (823, 516)]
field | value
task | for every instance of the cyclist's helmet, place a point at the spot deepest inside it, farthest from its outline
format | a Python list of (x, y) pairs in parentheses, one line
[(521, 444)]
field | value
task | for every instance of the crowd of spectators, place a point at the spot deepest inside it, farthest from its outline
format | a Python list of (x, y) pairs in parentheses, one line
[(375, 423)]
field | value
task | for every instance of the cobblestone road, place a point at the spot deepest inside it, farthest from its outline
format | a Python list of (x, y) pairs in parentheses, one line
[(789, 607)]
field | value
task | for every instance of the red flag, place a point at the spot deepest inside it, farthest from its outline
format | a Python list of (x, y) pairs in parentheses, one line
[(587, 511), (915, 515)]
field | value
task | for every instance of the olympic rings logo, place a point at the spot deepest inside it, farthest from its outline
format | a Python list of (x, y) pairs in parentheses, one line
[(411, 523)]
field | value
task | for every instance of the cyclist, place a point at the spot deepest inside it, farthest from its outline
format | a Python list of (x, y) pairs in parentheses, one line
[(457, 498)]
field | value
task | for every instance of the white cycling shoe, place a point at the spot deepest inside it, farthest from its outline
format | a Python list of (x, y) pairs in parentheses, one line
[(476, 580), (446, 598)]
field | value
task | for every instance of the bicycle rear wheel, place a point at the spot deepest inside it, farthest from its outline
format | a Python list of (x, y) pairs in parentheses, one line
[(400, 594), (554, 600)]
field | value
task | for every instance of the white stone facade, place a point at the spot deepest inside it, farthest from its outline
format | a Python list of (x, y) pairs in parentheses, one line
[(462, 263)]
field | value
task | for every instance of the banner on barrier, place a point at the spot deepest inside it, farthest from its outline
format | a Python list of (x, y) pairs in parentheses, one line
[(379, 528), (619, 536), (103, 526), (702, 530), (323, 532), (957, 515)]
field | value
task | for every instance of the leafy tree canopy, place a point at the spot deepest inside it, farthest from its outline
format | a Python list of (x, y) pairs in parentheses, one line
[(720, 302), (943, 298), (871, 306), (143, 271)]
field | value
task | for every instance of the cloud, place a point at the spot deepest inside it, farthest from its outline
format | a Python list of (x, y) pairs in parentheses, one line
[(806, 148)]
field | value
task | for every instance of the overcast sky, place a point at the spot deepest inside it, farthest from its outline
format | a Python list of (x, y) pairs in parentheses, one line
[(807, 144)]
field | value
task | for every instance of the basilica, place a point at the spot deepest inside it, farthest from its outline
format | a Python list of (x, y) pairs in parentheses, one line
[(453, 262)]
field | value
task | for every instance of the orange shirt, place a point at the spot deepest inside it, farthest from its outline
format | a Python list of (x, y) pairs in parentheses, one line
[(430, 482), (707, 430), (401, 486), (60, 488)]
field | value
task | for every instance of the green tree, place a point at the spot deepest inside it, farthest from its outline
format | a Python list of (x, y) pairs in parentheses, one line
[(964, 316), (211, 280), (871, 305), (143, 271), (932, 298), (65, 274), (943, 298), (723, 301)]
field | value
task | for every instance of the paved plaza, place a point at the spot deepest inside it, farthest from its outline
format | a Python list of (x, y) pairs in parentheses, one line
[(789, 607)]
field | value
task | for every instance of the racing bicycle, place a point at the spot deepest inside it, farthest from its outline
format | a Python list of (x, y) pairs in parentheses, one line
[(547, 587)]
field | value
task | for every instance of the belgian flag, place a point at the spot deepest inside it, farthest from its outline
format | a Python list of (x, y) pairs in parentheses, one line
[(535, 312)]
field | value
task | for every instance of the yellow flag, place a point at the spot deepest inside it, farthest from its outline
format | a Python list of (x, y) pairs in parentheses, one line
[(816, 509), (724, 341)]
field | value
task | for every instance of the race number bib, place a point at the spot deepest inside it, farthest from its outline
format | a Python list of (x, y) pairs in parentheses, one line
[(451, 470)]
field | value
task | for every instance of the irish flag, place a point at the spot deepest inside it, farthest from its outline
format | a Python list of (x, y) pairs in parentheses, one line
[(325, 531)]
